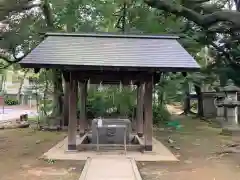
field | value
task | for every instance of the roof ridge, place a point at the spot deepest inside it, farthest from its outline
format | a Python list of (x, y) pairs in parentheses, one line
[(113, 35)]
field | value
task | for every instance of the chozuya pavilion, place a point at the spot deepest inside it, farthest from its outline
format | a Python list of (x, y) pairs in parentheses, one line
[(110, 58)]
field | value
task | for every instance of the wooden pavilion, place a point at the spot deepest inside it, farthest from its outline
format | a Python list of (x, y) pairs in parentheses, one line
[(110, 58)]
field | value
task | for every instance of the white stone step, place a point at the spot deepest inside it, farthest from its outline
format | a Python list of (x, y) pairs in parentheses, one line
[(110, 169)]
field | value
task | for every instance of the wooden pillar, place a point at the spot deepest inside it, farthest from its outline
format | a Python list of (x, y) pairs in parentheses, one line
[(72, 125), (148, 122), (75, 97), (83, 100), (139, 113)]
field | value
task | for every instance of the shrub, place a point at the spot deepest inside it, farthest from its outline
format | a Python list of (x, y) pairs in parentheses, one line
[(11, 102), (160, 114)]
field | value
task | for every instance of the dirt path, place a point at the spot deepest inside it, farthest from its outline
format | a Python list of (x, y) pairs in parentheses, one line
[(195, 145), (175, 109), (20, 150)]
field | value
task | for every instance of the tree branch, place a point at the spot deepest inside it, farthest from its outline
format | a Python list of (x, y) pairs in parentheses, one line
[(14, 6), (202, 20), (7, 58), (225, 54)]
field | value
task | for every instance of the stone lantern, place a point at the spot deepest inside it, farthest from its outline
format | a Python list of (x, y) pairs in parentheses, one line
[(231, 90), (231, 105), (231, 102)]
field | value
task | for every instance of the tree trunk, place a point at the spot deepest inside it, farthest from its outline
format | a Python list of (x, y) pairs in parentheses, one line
[(187, 105), (57, 93), (200, 101), (45, 93), (160, 91), (237, 4), (223, 79), (3, 79), (21, 85)]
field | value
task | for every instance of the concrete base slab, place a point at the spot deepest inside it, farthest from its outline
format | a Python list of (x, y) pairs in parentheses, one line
[(231, 131), (103, 169), (159, 153)]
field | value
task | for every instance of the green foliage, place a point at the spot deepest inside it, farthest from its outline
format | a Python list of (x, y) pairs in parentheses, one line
[(46, 106), (160, 114), (98, 15), (96, 103), (11, 101), (110, 101)]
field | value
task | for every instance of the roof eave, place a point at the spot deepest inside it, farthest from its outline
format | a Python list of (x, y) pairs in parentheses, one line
[(111, 68)]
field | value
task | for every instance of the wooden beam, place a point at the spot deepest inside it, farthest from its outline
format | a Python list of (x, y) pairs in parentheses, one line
[(148, 122), (72, 125), (112, 82), (114, 77), (109, 76)]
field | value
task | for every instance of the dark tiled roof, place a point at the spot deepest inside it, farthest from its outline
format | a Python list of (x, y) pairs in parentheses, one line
[(110, 50)]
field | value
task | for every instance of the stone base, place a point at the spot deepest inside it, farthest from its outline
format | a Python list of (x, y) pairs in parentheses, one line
[(148, 148), (72, 147), (231, 131), (140, 134), (220, 120), (81, 133)]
